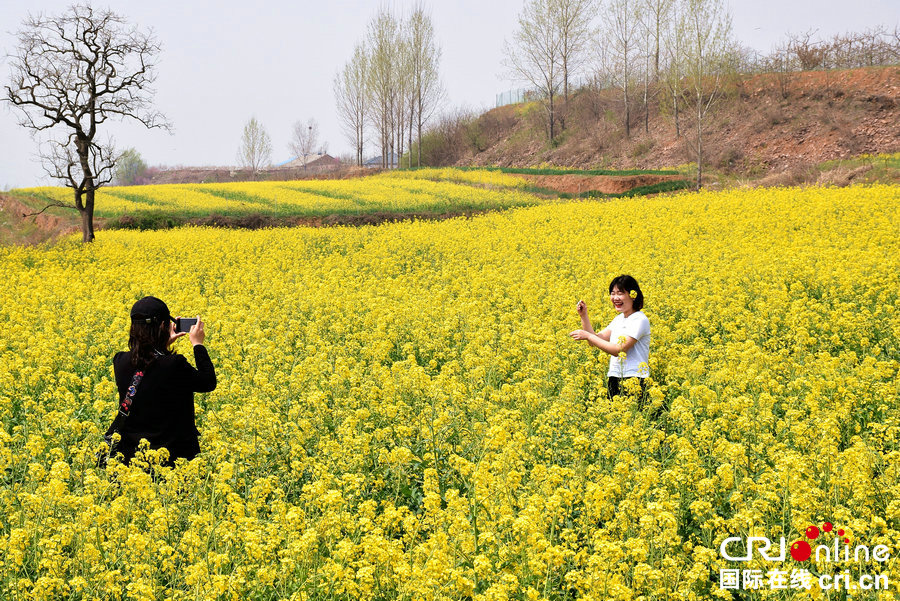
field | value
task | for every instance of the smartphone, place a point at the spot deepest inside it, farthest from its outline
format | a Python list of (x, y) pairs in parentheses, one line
[(184, 324)]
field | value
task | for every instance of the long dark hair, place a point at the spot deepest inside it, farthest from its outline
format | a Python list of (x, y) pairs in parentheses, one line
[(147, 341), (628, 284)]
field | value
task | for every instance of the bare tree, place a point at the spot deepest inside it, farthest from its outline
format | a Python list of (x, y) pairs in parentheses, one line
[(811, 54), (645, 37), (658, 15), (622, 35), (706, 25), (255, 151), (575, 32), (426, 58), (892, 45), (383, 36), (781, 64), (804, 51), (534, 55), (350, 96), (401, 119), (655, 18), (304, 139), (69, 75), (673, 57)]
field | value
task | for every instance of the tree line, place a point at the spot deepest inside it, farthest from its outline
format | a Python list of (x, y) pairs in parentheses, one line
[(390, 86), (71, 73), (674, 53), (643, 48)]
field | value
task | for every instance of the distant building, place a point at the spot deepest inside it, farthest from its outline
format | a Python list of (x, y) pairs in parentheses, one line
[(376, 162)]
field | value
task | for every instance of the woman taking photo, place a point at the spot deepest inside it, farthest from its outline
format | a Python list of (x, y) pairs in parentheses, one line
[(157, 385), (626, 339)]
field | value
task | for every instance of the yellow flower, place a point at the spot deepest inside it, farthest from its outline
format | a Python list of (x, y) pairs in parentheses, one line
[(396, 416)]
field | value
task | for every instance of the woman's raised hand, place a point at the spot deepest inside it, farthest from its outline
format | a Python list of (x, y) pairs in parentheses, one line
[(173, 335), (581, 307), (197, 333)]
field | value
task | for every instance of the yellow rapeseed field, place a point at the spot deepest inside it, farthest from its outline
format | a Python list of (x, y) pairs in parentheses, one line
[(425, 190), (401, 415)]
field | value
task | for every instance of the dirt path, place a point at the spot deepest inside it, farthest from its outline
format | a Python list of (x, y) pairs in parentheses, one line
[(607, 184)]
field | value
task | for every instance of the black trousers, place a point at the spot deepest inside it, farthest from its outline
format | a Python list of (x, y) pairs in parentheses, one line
[(616, 386)]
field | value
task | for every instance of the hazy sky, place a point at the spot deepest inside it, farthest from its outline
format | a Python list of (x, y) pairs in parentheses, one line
[(225, 61)]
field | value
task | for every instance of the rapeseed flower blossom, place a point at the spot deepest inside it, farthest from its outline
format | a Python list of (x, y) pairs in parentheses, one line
[(400, 415), (423, 190)]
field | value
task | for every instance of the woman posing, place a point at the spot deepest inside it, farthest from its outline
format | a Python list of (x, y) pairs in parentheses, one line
[(626, 339)]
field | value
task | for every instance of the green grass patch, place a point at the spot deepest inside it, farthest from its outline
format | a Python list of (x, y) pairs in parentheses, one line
[(670, 186), (879, 168), (889, 161), (153, 220), (554, 171)]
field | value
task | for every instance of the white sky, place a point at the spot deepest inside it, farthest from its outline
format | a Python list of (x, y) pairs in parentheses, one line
[(224, 61)]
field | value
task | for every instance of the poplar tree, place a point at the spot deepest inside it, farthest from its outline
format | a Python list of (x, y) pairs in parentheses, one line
[(622, 29), (381, 85), (426, 85), (706, 26), (535, 53), (351, 100), (255, 151)]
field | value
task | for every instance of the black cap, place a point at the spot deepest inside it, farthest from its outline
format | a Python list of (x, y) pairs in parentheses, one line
[(150, 309)]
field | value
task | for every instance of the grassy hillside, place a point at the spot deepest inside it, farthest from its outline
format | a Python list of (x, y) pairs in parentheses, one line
[(763, 126)]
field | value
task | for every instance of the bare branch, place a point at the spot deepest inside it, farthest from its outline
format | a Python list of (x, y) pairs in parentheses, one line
[(535, 52), (70, 74), (304, 140), (350, 99), (53, 204)]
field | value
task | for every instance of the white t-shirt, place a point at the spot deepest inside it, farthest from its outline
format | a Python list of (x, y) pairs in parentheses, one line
[(637, 360)]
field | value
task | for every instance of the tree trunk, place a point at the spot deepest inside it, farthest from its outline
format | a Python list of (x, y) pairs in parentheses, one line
[(86, 189), (552, 119), (699, 145), (646, 106), (675, 104), (412, 116), (627, 113), (419, 145), (87, 218)]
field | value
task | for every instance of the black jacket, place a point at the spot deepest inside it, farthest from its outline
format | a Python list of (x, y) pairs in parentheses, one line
[(163, 407)]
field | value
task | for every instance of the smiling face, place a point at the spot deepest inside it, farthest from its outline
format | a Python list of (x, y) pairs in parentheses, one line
[(621, 301)]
